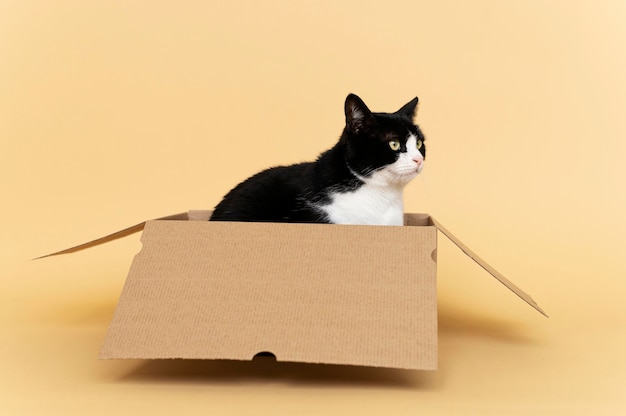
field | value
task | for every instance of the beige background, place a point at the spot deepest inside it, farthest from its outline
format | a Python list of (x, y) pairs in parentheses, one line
[(112, 112)]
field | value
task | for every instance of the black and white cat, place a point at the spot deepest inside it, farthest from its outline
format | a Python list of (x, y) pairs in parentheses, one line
[(358, 181)]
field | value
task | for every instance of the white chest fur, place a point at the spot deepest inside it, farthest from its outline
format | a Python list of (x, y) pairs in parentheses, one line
[(379, 199), (370, 204)]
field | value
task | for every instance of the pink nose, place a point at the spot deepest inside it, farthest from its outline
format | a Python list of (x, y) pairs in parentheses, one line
[(419, 161)]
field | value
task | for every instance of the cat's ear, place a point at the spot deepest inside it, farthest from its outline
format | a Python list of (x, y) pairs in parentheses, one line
[(357, 114), (408, 109)]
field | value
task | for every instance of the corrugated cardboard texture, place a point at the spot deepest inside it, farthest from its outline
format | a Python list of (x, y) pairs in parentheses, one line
[(356, 295)]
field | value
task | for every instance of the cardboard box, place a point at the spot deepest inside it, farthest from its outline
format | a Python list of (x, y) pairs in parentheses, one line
[(315, 293)]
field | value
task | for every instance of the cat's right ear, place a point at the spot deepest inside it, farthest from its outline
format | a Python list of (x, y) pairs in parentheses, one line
[(409, 109), (357, 114)]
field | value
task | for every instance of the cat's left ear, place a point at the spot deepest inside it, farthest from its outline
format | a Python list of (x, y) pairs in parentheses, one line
[(408, 109)]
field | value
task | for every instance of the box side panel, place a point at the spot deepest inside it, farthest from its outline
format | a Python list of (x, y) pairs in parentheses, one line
[(308, 293), (417, 220)]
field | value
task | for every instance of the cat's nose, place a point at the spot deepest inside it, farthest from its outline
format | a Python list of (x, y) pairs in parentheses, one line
[(419, 161)]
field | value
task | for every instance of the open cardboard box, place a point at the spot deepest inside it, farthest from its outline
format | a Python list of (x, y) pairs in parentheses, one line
[(315, 293)]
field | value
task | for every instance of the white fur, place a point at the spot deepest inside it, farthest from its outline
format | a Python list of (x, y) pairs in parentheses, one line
[(379, 200)]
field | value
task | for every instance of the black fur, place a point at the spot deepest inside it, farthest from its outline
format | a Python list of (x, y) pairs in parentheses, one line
[(293, 193)]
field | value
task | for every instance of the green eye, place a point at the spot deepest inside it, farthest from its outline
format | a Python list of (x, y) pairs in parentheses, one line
[(394, 145), (419, 144)]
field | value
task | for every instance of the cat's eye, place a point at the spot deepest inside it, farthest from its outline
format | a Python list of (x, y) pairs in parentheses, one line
[(419, 144), (394, 145)]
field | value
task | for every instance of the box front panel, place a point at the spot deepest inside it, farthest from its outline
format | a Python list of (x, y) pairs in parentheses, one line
[(359, 295)]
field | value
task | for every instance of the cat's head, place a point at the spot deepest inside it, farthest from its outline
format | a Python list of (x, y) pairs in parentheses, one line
[(383, 147)]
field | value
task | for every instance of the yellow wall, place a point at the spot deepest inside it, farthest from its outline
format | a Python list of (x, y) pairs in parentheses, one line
[(112, 112)]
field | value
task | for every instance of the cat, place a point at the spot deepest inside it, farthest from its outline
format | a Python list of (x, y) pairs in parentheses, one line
[(358, 181)]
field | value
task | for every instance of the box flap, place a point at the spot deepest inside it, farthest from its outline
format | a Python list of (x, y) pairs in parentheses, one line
[(506, 282), (335, 294), (195, 215)]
